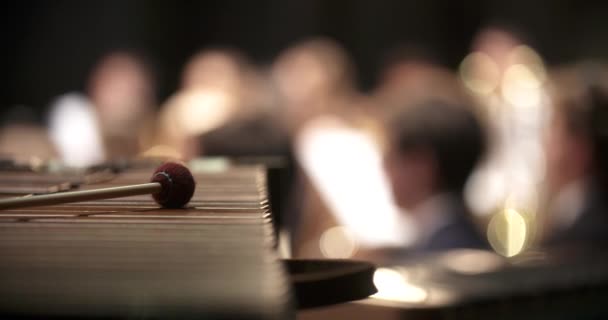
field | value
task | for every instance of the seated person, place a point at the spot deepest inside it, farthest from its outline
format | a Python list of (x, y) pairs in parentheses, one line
[(433, 148), (577, 151)]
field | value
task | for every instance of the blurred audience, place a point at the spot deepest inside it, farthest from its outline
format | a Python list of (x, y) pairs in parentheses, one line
[(306, 106), (434, 146), (577, 153)]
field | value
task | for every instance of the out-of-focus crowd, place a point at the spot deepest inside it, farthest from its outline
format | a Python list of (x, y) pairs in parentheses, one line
[(500, 154)]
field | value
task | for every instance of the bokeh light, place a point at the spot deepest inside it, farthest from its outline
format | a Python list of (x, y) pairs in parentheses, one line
[(521, 87), (72, 115), (527, 56), (393, 285), (480, 73), (507, 232), (338, 243)]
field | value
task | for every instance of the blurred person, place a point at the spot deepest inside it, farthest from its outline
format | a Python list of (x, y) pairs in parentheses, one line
[(433, 148), (577, 153), (114, 120), (506, 76), (211, 94), (122, 90), (313, 78)]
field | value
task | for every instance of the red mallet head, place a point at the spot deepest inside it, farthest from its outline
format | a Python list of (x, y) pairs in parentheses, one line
[(177, 185)]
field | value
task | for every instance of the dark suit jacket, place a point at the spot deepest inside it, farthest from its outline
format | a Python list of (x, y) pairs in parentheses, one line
[(457, 232)]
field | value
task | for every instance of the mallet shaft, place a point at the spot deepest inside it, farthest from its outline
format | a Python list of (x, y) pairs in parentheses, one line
[(77, 196)]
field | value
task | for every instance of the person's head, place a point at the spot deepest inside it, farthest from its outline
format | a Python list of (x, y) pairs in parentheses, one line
[(219, 69), (577, 140), (312, 69), (121, 87), (407, 72), (433, 148)]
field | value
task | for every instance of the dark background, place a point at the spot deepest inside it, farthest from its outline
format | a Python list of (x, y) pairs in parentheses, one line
[(49, 46)]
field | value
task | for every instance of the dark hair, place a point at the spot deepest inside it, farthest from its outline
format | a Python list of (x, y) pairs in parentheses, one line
[(452, 133)]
